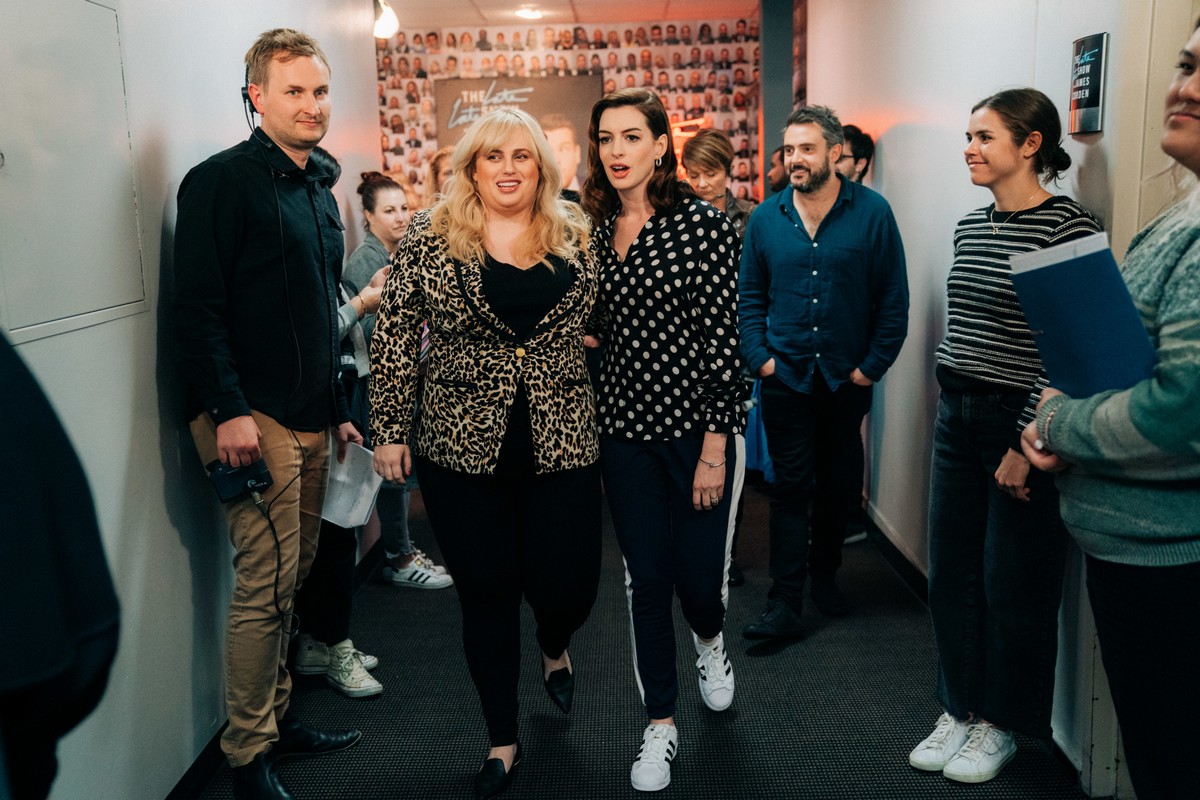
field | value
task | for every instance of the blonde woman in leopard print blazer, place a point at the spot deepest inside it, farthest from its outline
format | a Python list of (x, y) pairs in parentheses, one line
[(505, 441)]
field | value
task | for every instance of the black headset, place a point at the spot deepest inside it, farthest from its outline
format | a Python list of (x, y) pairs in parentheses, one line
[(246, 101)]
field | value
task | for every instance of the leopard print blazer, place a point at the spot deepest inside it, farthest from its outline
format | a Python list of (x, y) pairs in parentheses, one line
[(475, 363)]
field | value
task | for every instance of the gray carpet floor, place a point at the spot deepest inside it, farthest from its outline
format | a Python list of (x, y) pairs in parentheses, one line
[(830, 717)]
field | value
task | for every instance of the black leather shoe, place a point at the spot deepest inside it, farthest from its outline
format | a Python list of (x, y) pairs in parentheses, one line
[(259, 781), (829, 599), (561, 687), (736, 577), (297, 739), (778, 621), (492, 780)]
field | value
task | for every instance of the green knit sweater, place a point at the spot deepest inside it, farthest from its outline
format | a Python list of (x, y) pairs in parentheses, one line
[(1132, 494)]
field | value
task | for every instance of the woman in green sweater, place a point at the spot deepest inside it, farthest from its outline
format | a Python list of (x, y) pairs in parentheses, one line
[(1129, 464)]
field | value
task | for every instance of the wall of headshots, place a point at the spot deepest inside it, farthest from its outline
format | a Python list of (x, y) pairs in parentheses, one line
[(706, 72)]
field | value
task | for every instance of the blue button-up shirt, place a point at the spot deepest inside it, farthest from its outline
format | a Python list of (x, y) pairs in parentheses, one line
[(832, 302)]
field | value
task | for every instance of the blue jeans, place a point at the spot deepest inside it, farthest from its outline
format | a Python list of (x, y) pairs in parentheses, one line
[(995, 569)]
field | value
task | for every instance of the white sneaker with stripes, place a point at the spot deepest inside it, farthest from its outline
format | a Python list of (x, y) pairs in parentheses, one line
[(417, 575), (427, 562), (652, 769), (716, 673)]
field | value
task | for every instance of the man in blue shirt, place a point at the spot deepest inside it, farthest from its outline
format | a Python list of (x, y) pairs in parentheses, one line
[(823, 313)]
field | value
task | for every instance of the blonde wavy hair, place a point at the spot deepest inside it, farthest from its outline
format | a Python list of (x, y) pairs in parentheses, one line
[(556, 226)]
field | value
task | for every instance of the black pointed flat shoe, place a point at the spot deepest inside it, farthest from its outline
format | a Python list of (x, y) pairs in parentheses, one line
[(561, 687), (492, 780)]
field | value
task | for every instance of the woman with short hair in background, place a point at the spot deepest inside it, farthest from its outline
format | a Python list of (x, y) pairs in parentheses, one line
[(708, 162)]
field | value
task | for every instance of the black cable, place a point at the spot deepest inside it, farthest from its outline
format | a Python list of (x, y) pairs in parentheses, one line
[(266, 512)]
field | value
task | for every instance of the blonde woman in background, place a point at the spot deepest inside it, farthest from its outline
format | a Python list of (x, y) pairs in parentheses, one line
[(440, 171)]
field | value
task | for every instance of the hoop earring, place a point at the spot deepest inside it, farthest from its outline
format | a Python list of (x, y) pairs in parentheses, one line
[(658, 161)]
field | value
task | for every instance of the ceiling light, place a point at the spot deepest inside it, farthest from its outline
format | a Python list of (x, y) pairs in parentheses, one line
[(526, 12), (386, 23)]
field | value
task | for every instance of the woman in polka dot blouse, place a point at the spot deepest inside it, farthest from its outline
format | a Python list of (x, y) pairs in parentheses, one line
[(670, 410)]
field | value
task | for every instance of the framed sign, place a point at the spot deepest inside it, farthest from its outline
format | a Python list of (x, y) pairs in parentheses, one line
[(564, 103), (1087, 84)]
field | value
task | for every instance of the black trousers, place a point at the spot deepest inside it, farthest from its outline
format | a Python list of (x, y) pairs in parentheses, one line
[(507, 535), (1148, 621), (323, 603), (816, 447), (670, 548)]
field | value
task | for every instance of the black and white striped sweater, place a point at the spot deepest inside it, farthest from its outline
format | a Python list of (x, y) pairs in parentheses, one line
[(988, 345)]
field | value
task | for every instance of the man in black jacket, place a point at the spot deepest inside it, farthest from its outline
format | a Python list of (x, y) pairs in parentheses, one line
[(258, 254)]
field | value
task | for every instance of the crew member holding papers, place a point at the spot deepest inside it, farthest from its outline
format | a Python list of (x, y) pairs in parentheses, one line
[(324, 602), (996, 543), (1129, 464)]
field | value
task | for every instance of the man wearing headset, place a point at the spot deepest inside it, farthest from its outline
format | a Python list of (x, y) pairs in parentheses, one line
[(258, 255)]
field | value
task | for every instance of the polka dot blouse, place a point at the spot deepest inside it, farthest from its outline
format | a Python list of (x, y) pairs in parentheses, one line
[(668, 317)]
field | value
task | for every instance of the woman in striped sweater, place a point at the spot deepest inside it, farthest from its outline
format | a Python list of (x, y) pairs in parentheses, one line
[(996, 541)]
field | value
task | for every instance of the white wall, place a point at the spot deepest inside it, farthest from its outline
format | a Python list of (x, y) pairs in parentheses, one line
[(115, 388), (909, 73)]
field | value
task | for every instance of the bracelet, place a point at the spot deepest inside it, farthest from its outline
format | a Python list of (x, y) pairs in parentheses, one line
[(1043, 427), (711, 465), (1046, 427), (361, 305)]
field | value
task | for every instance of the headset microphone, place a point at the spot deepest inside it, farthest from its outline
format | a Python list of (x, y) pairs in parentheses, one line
[(247, 102)]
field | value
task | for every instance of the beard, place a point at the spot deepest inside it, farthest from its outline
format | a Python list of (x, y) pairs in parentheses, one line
[(816, 179)]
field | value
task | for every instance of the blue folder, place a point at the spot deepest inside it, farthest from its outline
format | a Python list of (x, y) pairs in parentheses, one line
[(1084, 322)]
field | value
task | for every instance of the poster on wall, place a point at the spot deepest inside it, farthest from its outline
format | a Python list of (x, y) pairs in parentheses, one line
[(563, 106), (1087, 84), (705, 72)]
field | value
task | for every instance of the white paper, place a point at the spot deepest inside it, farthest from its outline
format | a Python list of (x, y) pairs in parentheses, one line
[(353, 486)]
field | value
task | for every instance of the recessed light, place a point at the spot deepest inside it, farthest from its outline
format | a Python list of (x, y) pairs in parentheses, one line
[(526, 12)]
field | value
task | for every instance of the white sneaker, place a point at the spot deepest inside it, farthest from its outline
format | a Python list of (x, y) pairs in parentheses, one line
[(368, 662), (312, 657), (427, 562), (940, 746), (419, 576), (716, 673), (347, 674), (986, 752), (652, 769)]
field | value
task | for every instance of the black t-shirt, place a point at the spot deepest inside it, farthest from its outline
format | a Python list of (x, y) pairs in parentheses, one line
[(522, 298)]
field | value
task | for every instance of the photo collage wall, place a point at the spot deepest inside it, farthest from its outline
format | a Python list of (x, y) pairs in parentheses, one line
[(706, 72)]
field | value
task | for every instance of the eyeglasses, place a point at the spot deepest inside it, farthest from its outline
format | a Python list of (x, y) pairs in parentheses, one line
[(846, 156)]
